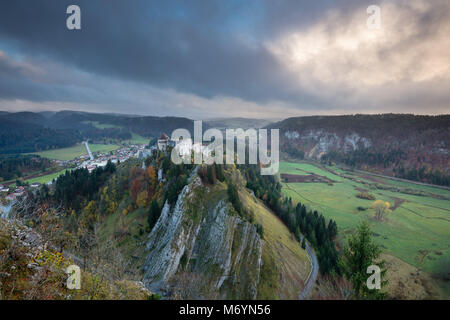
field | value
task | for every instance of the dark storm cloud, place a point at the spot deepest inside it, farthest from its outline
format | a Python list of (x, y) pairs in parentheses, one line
[(154, 55), (199, 47), (16, 82)]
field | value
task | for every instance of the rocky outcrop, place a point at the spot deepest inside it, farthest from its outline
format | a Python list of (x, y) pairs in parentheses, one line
[(319, 142), (200, 235), (384, 143)]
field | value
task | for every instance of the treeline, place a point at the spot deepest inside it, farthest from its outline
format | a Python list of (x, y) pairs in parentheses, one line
[(76, 187), (297, 218), (356, 158), (16, 166), (423, 175), (294, 152), (18, 137), (211, 173), (393, 158), (176, 177), (125, 187), (377, 126), (319, 234), (106, 133)]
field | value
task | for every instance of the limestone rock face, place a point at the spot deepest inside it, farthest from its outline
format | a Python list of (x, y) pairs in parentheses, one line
[(200, 235), (319, 142)]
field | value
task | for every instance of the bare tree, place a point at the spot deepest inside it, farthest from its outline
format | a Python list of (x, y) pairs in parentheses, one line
[(189, 285), (332, 288)]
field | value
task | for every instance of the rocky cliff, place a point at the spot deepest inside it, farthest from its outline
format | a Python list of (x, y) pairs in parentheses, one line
[(201, 248), (200, 236)]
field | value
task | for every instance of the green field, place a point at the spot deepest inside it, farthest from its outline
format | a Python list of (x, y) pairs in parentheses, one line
[(47, 178), (99, 125), (418, 229), (137, 139), (75, 151)]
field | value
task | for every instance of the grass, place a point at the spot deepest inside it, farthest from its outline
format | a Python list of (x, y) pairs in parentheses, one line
[(47, 178), (73, 152), (102, 147), (129, 231), (99, 125), (280, 250), (137, 139), (415, 230)]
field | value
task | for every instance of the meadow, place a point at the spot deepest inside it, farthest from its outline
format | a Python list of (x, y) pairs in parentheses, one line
[(417, 231), (75, 151), (135, 138), (99, 125), (46, 178)]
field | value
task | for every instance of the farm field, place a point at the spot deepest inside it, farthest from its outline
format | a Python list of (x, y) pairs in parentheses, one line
[(75, 151), (47, 178), (417, 231), (137, 139)]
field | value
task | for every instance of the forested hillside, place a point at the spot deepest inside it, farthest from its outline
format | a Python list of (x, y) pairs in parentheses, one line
[(402, 145), (15, 166), (28, 131), (181, 229), (18, 136)]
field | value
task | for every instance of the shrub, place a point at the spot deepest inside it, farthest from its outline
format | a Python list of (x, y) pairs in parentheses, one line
[(260, 230), (365, 195)]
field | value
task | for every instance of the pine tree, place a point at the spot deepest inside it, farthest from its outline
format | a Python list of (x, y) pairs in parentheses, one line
[(153, 214), (359, 253), (210, 175)]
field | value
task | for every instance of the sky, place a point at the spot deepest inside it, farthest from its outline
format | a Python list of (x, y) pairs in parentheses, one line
[(228, 58)]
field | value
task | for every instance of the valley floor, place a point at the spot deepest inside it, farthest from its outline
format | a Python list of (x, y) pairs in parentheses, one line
[(416, 234)]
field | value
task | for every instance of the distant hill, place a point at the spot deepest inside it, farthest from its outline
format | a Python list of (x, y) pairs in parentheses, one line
[(30, 131), (234, 123), (26, 136), (403, 145)]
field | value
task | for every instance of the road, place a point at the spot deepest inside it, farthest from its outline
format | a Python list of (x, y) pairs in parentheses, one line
[(312, 274), (89, 150)]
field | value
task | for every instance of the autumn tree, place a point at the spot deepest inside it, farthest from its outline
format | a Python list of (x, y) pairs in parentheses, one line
[(381, 209), (142, 198), (135, 189), (189, 285), (152, 179), (52, 228)]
